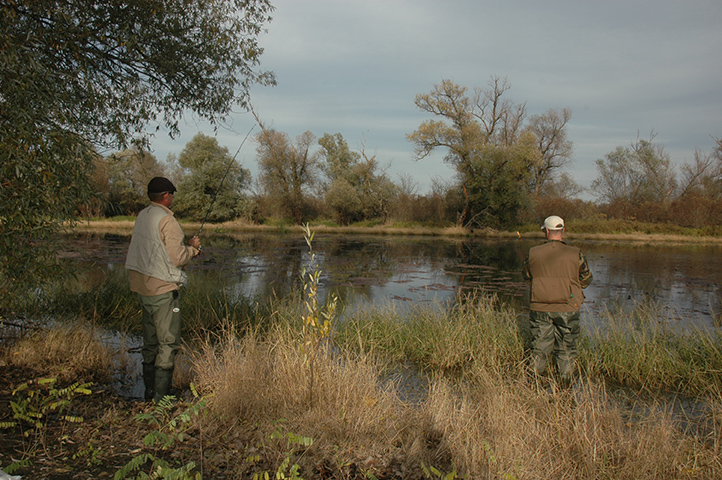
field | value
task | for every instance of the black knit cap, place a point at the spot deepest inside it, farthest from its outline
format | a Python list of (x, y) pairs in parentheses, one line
[(160, 185)]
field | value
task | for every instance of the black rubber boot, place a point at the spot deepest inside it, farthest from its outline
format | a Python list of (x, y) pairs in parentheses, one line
[(149, 380), (163, 381)]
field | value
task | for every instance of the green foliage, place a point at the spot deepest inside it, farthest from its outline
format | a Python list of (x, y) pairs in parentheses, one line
[(34, 406), (170, 430), (204, 164), (15, 466), (36, 401), (292, 439), (285, 469), (90, 453), (76, 76)]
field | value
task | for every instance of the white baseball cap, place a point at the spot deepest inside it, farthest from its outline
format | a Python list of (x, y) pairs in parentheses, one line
[(553, 223)]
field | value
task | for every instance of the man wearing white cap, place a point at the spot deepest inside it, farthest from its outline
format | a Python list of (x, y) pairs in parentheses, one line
[(558, 274)]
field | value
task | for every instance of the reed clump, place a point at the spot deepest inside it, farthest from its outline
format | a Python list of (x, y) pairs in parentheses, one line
[(642, 349), (476, 333), (257, 383)]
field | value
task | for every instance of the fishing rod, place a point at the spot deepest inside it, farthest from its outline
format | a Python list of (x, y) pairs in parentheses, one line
[(230, 164)]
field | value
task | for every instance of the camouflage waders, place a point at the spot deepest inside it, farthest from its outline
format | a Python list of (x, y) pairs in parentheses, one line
[(556, 333), (161, 341)]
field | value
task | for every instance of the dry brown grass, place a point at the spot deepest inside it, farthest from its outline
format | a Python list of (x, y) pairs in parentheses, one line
[(67, 353), (501, 430), (255, 384), (237, 226), (125, 227), (487, 424), (648, 238)]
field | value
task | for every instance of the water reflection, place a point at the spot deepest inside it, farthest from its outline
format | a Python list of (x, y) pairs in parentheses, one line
[(409, 270), (684, 279)]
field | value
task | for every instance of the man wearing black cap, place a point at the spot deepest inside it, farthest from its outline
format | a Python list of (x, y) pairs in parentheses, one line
[(558, 273), (155, 263)]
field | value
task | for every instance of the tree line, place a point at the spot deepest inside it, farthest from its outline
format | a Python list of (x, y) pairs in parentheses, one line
[(508, 165)]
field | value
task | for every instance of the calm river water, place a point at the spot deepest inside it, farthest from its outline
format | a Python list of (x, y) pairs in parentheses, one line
[(407, 270)]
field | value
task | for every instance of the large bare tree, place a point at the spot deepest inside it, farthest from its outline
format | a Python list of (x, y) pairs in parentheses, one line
[(496, 152), (550, 130)]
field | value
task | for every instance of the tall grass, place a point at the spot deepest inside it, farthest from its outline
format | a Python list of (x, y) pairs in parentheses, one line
[(66, 352), (640, 349), (109, 303), (480, 414), (474, 334)]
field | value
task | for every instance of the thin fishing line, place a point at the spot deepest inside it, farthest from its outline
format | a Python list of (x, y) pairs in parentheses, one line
[(230, 164)]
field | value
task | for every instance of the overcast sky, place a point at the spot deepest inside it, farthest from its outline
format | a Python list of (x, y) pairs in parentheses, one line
[(623, 67)]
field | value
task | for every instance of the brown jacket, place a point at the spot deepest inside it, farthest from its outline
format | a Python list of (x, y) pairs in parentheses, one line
[(558, 273)]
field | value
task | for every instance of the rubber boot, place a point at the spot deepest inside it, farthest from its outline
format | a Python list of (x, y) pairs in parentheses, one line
[(163, 381), (149, 380)]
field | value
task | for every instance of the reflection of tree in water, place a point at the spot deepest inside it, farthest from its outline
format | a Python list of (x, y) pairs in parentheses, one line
[(362, 263), (257, 266), (490, 267), (265, 266), (353, 265)]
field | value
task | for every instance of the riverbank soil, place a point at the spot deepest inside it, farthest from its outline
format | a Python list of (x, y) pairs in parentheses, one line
[(102, 426), (104, 435)]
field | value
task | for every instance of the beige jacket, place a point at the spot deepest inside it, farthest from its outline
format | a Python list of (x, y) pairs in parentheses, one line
[(157, 252)]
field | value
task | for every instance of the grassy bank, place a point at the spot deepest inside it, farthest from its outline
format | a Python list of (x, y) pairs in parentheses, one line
[(430, 393), (594, 229)]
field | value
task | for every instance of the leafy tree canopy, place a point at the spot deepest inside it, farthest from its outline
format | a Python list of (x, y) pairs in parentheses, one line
[(76, 75), (287, 169), (338, 157), (105, 69), (635, 175), (210, 173), (356, 189), (500, 155)]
